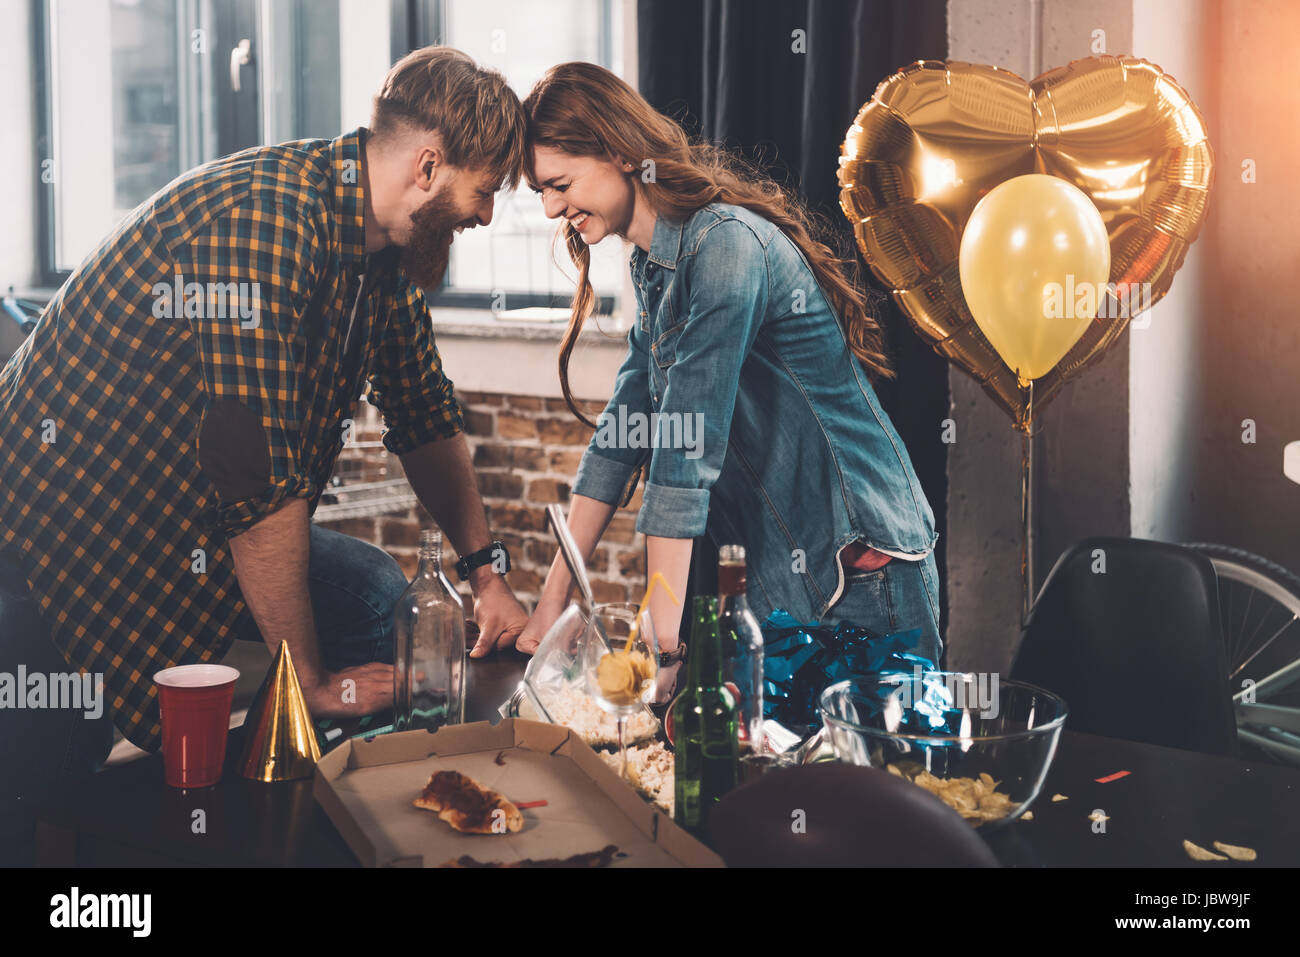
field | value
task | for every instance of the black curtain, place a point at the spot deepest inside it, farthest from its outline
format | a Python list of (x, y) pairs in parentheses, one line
[(781, 81)]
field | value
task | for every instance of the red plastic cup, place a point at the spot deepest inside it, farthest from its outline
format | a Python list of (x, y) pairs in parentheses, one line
[(195, 705)]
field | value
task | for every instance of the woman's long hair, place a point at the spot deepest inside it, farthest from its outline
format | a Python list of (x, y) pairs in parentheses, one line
[(585, 110)]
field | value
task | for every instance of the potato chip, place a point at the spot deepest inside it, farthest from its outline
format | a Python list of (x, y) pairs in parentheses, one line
[(1059, 797), (1235, 852), (977, 800), (1200, 853), (964, 800), (622, 674), (616, 678), (1027, 816)]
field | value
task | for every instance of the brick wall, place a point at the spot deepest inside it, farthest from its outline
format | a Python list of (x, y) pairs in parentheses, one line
[(526, 451)]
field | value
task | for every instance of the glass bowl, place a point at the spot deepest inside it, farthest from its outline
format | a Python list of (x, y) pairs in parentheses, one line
[(980, 743), (554, 689)]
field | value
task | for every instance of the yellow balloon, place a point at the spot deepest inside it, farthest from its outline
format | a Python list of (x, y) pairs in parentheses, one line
[(1034, 261)]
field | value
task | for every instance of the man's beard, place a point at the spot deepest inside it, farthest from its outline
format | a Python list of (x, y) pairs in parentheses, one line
[(426, 254)]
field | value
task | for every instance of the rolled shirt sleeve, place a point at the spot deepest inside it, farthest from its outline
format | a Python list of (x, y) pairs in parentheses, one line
[(255, 267), (408, 385), (608, 462), (727, 289)]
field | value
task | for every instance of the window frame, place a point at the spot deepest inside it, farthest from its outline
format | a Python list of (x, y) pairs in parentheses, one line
[(47, 273)]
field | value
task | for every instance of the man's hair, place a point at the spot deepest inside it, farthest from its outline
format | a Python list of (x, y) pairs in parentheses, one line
[(472, 109)]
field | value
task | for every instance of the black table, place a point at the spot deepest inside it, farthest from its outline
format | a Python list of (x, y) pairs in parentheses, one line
[(1168, 796), (127, 816)]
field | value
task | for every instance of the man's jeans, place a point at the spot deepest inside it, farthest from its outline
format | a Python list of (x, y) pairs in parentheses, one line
[(353, 586)]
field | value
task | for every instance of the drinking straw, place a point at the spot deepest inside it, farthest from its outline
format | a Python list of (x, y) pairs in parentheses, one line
[(655, 579)]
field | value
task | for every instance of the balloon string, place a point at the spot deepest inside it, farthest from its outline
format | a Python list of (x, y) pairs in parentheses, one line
[(1026, 506)]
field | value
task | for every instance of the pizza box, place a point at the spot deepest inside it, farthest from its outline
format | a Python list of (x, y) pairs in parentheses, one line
[(366, 787)]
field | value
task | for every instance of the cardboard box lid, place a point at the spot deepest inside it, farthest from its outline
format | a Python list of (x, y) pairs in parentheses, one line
[(366, 788)]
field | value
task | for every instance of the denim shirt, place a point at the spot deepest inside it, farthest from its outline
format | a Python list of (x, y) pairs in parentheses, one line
[(761, 425)]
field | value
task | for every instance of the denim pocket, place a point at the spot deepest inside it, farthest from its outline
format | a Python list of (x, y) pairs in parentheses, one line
[(865, 602), (664, 348), (855, 577)]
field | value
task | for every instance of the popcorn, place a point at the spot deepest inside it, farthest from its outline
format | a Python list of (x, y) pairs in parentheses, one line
[(651, 771), (580, 713)]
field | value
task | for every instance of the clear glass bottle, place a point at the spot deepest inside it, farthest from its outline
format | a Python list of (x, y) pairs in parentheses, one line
[(429, 646), (742, 646)]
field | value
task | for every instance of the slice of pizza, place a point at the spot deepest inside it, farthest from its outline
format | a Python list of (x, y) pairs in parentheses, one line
[(599, 858), (468, 806)]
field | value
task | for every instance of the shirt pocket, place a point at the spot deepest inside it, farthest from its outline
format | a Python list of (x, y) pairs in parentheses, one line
[(664, 349)]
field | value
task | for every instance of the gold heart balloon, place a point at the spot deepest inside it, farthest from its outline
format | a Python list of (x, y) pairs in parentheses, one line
[(936, 137)]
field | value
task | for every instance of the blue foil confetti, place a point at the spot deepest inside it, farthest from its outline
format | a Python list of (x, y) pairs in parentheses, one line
[(802, 660)]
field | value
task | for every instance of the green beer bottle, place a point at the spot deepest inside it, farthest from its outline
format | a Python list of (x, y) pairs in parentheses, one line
[(704, 717)]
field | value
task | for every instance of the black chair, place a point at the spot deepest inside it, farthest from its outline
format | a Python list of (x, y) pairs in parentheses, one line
[(840, 815), (1128, 633)]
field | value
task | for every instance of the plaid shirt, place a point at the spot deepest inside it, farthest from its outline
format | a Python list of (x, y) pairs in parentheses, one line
[(189, 377)]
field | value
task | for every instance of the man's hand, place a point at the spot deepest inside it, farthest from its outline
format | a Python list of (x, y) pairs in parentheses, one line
[(499, 615), (351, 692)]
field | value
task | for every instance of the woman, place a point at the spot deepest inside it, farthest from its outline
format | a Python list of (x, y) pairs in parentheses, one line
[(750, 356)]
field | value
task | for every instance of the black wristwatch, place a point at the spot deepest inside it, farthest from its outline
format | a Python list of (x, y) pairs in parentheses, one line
[(667, 658), (484, 556)]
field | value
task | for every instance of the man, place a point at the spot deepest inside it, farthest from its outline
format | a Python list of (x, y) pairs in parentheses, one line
[(169, 426)]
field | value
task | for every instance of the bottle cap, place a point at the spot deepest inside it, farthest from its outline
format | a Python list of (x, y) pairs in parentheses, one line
[(731, 554)]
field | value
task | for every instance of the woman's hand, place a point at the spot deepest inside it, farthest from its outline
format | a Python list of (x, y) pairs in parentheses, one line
[(666, 683), (543, 617)]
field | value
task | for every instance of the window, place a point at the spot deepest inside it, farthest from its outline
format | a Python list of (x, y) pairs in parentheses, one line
[(513, 264), (114, 127), (137, 91)]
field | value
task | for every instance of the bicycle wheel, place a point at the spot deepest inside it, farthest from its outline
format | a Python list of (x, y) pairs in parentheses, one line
[(1259, 602)]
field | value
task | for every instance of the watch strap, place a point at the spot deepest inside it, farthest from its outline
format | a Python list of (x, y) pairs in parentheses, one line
[(667, 658), (484, 556)]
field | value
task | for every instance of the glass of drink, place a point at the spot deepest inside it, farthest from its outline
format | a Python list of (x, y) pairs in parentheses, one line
[(620, 665)]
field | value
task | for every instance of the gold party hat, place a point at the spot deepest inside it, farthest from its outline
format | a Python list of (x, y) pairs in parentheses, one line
[(279, 737)]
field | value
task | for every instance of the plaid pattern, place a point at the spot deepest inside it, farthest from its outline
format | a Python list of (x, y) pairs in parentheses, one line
[(120, 512)]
